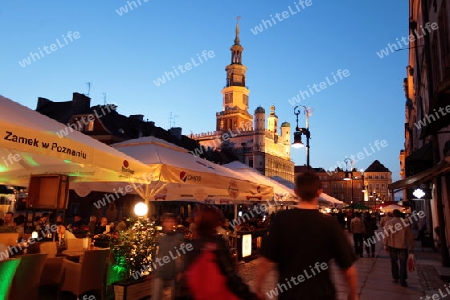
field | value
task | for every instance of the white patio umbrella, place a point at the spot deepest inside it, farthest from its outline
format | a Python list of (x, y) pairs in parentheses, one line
[(183, 176), (331, 200), (33, 144), (283, 181), (392, 207), (280, 191)]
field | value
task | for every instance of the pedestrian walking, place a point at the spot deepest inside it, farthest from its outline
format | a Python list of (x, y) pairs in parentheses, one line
[(385, 219), (209, 272), (399, 240), (302, 242), (370, 226), (168, 272), (357, 228)]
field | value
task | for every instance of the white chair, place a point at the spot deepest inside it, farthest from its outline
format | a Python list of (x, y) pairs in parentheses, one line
[(25, 284), (9, 239), (75, 245), (53, 267), (50, 248), (88, 275)]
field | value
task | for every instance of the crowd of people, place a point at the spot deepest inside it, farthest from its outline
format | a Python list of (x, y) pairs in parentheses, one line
[(207, 270), (302, 259)]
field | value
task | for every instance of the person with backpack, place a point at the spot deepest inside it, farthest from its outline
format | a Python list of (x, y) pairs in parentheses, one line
[(209, 270)]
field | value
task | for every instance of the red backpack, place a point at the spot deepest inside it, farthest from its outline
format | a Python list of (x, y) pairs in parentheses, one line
[(204, 279)]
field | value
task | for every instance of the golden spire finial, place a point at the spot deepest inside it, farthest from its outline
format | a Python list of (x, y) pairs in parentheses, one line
[(237, 41)]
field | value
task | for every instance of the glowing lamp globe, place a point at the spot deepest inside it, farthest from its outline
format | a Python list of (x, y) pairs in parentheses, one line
[(419, 193), (140, 209)]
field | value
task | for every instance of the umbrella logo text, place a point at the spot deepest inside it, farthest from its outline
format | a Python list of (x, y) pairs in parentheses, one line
[(186, 177), (125, 167)]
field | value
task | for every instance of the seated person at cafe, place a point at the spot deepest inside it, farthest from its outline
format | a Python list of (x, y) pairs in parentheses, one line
[(92, 224), (18, 224), (44, 219), (101, 228), (37, 222), (77, 223), (59, 220), (122, 225), (63, 236), (8, 218)]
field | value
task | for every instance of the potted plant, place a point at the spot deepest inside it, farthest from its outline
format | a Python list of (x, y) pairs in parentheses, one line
[(133, 252)]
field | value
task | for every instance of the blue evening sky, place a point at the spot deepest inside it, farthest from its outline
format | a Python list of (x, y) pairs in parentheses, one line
[(122, 56)]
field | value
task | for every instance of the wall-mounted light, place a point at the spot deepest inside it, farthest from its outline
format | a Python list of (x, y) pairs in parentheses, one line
[(418, 193)]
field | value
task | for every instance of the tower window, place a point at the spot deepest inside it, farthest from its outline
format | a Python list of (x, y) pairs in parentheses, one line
[(228, 98), (245, 99)]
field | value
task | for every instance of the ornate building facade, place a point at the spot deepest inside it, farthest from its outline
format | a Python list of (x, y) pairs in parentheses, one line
[(425, 159), (265, 148), (368, 187)]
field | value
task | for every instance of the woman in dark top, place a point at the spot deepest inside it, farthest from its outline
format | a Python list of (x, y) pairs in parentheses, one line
[(370, 226), (208, 219)]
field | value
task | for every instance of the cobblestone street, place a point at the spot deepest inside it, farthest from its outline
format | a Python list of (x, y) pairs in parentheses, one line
[(374, 277)]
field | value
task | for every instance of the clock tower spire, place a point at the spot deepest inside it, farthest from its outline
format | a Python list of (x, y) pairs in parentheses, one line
[(234, 114)]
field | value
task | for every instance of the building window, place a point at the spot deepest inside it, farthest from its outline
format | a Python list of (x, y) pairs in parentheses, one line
[(383, 186), (376, 176), (443, 35), (370, 176), (382, 176), (90, 126), (245, 99)]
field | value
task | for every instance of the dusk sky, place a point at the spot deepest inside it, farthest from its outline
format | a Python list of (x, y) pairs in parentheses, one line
[(124, 53)]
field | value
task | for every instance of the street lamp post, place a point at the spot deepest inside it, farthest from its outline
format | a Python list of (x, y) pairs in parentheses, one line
[(299, 131), (349, 176)]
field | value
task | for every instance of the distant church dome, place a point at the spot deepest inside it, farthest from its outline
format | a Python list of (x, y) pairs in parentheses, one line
[(260, 110), (285, 124)]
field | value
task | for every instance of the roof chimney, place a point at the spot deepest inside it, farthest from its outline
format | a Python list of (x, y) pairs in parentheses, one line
[(80, 103), (176, 132), (41, 103), (137, 117)]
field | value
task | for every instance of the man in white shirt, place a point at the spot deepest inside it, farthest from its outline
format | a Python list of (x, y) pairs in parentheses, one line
[(357, 228), (399, 240), (64, 235)]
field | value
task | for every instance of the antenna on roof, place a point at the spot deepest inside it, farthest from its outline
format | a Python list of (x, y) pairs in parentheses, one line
[(89, 88), (104, 98), (172, 118)]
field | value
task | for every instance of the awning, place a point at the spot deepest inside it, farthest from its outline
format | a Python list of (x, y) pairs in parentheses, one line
[(440, 168)]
